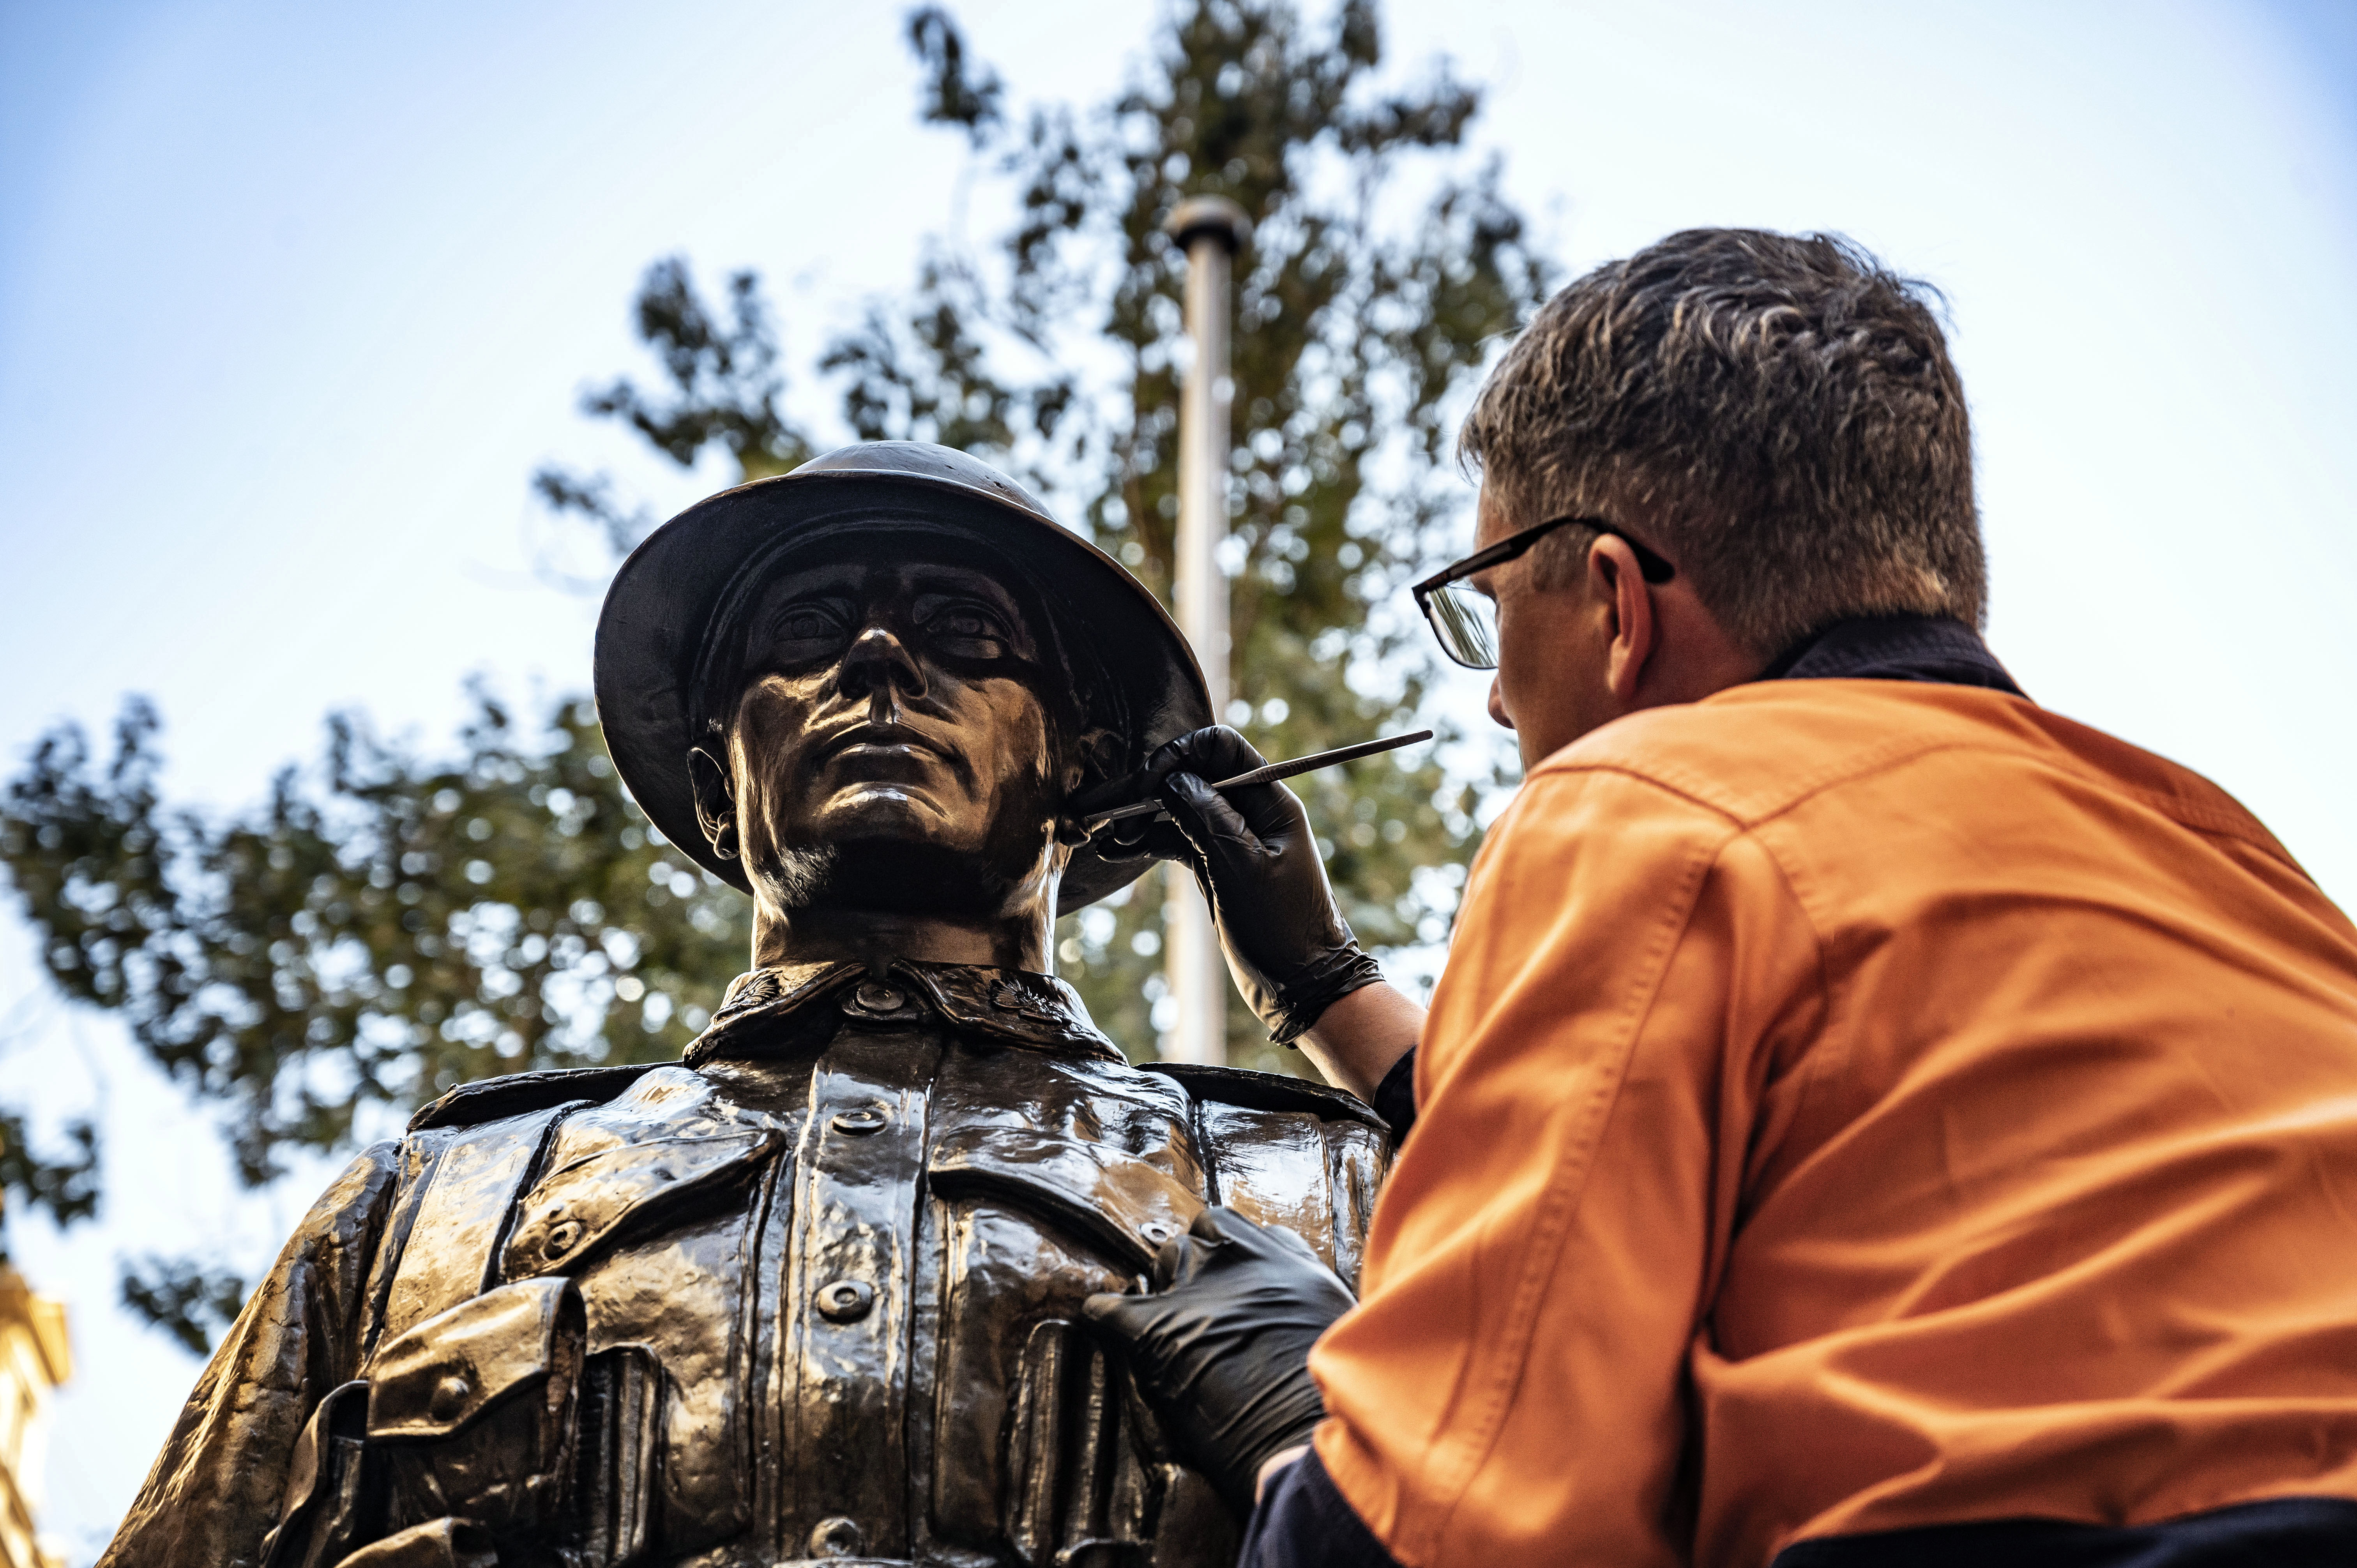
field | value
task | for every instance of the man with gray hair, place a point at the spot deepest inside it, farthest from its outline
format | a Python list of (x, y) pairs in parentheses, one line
[(1866, 1118)]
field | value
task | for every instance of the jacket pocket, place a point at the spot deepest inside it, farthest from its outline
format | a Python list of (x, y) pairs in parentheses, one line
[(578, 1208), (1116, 1200), (473, 1410), (494, 1418)]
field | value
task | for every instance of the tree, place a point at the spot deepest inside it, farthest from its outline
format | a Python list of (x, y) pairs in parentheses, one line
[(388, 925)]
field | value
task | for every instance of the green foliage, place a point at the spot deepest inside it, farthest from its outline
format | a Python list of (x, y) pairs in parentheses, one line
[(381, 930), (388, 925), (952, 97), (725, 386), (191, 1303), (67, 1186)]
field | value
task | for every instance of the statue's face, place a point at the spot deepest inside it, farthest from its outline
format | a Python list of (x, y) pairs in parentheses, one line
[(892, 745)]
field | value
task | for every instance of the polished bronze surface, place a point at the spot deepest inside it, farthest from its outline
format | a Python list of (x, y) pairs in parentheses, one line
[(1132, 672), (812, 1292)]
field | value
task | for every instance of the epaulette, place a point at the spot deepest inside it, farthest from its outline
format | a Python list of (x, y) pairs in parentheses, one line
[(1254, 1090), (489, 1098)]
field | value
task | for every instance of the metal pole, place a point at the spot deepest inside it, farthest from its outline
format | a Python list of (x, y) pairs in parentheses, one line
[(1208, 228)]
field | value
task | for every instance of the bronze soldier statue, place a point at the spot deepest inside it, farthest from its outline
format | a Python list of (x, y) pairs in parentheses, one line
[(811, 1291)]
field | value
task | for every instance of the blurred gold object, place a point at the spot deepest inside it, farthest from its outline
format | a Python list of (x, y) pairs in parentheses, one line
[(36, 1359)]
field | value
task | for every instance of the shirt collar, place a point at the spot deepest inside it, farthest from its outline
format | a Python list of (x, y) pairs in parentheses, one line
[(1894, 648), (783, 1006)]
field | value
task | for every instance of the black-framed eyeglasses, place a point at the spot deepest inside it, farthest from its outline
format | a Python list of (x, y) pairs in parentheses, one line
[(1466, 620)]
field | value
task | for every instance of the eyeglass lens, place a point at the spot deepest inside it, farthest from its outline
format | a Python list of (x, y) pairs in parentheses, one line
[(1467, 624)]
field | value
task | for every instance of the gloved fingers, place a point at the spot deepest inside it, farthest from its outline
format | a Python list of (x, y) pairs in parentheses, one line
[(1170, 1263), (1291, 1242), (1127, 1322), (1140, 838), (1220, 753), (1212, 752), (1217, 1230), (1127, 789), (1182, 1257), (1272, 812), (1225, 1227), (1209, 822), (1217, 1223), (1112, 1311), (1136, 1321), (1215, 752)]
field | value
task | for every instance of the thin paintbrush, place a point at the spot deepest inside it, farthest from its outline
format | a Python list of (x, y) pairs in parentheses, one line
[(1271, 773)]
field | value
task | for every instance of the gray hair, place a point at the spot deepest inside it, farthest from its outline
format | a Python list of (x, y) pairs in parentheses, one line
[(1776, 414)]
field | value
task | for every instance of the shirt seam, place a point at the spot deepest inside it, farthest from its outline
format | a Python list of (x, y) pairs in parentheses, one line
[(1509, 1363), (1813, 1071)]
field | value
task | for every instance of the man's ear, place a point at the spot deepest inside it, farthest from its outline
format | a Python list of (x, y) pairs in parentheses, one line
[(1620, 586), (715, 808)]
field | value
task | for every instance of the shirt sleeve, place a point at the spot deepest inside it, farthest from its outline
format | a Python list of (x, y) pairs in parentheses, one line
[(1628, 972), (215, 1489)]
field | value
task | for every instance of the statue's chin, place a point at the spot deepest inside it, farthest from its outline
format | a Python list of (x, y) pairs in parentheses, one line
[(910, 874)]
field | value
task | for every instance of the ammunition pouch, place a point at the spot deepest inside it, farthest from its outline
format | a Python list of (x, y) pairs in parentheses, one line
[(485, 1435)]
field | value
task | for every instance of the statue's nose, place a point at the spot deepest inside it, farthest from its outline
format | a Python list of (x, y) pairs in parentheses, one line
[(878, 661)]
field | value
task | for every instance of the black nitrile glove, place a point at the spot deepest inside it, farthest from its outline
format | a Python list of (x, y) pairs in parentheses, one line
[(1290, 951), (1221, 1349)]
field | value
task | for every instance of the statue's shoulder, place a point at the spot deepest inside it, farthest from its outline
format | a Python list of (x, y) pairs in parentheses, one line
[(520, 1094), (1247, 1090), (1283, 1151)]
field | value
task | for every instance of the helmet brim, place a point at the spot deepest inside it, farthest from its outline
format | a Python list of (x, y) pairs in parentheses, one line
[(661, 606)]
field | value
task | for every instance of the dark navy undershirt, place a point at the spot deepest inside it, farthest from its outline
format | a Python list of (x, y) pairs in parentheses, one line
[(1303, 1522), (1894, 648)]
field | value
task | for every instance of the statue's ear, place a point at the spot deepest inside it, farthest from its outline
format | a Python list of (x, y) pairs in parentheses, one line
[(1096, 758), (715, 808)]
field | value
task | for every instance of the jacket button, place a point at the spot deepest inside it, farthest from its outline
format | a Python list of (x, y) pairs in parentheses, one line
[(836, 1536), (1155, 1233), (845, 1301), (876, 996), (560, 1241), (859, 1123), (450, 1398)]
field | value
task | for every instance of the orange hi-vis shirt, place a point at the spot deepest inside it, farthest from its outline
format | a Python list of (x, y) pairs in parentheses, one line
[(1857, 1105)]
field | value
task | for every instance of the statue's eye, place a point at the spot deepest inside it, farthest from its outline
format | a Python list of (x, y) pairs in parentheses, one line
[(808, 630), (963, 629)]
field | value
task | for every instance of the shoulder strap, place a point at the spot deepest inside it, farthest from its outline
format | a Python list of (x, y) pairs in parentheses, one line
[(493, 1098), (455, 1226), (1268, 1091)]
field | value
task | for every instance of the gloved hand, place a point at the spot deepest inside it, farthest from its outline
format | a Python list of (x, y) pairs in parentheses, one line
[(1221, 1349), (1254, 856)]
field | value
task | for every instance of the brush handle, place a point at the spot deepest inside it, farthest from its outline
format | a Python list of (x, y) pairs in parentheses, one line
[(1272, 772)]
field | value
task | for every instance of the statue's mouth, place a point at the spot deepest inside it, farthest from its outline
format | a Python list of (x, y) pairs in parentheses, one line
[(881, 741)]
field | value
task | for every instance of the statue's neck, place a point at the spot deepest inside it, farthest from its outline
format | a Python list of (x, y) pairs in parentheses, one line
[(821, 935)]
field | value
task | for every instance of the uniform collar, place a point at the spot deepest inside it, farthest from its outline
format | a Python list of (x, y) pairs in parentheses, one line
[(785, 1005)]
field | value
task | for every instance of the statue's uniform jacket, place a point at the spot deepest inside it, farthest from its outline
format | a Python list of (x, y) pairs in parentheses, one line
[(853, 1229)]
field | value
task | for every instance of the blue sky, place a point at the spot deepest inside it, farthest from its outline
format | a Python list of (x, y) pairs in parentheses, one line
[(293, 298)]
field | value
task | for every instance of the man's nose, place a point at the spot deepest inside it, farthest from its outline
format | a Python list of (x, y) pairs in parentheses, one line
[(1498, 712), (879, 662)]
